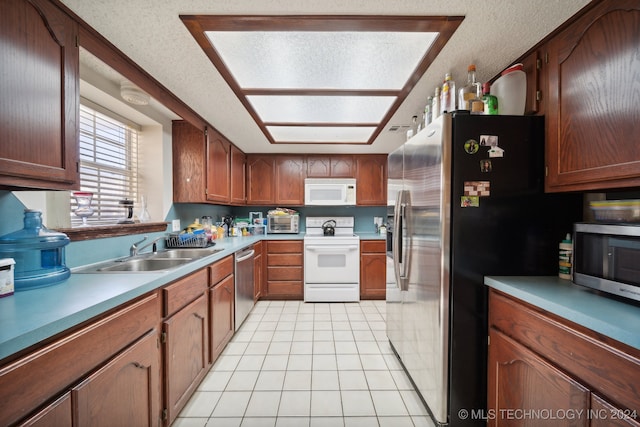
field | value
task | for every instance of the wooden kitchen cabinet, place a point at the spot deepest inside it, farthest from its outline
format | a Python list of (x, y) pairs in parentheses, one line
[(261, 179), (39, 106), (238, 177), (371, 175), (373, 269), (330, 166), (57, 414), (123, 392), (284, 270), (538, 360), (95, 352), (535, 68), (185, 336), (592, 111), (290, 174), (207, 168), (218, 172), (221, 305)]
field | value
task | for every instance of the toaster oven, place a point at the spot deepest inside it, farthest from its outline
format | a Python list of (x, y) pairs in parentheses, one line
[(283, 224)]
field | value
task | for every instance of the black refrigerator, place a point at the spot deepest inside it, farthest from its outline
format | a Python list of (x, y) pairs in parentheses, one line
[(466, 200)]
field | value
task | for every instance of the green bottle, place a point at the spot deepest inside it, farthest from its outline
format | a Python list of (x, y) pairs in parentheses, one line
[(490, 101)]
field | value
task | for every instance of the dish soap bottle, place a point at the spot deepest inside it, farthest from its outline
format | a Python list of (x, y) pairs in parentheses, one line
[(448, 95), (566, 257)]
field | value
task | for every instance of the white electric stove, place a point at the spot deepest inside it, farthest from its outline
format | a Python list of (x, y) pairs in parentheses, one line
[(331, 262)]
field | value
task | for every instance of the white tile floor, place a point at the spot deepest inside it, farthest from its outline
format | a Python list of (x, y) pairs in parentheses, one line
[(303, 364)]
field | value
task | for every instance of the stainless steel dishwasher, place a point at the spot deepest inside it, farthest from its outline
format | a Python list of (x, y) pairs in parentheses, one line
[(244, 284)]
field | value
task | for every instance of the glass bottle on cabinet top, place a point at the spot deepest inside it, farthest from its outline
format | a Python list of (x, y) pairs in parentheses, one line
[(448, 94), (470, 92)]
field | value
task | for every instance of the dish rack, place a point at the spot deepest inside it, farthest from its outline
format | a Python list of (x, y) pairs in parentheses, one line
[(187, 240)]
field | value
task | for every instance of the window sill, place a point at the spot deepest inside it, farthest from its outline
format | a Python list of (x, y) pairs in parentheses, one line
[(113, 230)]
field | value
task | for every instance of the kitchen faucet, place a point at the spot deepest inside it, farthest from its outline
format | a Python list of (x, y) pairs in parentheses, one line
[(135, 250)]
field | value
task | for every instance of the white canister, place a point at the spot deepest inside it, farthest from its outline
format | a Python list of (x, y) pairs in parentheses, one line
[(6, 277), (511, 91)]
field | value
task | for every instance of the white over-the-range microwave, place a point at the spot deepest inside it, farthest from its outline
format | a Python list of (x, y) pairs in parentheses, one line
[(330, 191)]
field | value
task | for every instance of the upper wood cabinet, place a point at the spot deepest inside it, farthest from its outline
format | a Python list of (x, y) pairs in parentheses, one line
[(592, 110), (39, 106), (534, 66), (330, 166), (218, 168), (260, 179), (189, 163), (371, 175), (290, 174), (238, 176), (206, 166)]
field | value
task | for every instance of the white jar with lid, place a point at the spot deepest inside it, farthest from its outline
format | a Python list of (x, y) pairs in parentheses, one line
[(511, 91)]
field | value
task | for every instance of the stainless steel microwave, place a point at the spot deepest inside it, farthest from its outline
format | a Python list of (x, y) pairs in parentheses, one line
[(607, 257)]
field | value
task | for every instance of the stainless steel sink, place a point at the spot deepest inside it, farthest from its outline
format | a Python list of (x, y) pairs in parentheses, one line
[(150, 262), (145, 264)]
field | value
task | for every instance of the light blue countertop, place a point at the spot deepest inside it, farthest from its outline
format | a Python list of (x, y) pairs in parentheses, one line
[(29, 317), (610, 317)]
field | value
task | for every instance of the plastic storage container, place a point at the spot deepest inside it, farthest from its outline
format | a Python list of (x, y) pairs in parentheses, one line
[(38, 253), (511, 90)]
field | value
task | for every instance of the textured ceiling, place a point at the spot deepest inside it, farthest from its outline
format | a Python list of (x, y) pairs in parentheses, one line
[(493, 34)]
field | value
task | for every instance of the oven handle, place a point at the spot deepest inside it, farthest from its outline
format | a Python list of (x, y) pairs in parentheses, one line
[(324, 248)]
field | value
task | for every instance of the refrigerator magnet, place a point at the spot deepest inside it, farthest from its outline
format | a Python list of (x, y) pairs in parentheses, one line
[(489, 140), (471, 146), (477, 188), (485, 165), (469, 201), (496, 152)]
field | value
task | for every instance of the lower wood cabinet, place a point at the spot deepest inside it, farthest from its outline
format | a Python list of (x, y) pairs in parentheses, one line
[(373, 269), (257, 272), (221, 305), (124, 392), (543, 365), (105, 371), (284, 270)]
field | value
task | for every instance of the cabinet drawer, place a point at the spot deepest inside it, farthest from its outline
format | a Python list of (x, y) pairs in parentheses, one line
[(290, 288), (614, 372), (377, 246), (28, 382), (220, 270), (284, 259), (284, 246), (284, 273), (183, 291)]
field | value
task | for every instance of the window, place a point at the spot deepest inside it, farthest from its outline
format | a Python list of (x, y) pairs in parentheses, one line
[(108, 163)]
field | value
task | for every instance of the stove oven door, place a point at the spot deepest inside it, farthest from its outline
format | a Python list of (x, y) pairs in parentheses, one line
[(332, 270)]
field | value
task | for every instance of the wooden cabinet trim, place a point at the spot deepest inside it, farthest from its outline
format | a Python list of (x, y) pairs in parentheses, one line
[(220, 269), (373, 246)]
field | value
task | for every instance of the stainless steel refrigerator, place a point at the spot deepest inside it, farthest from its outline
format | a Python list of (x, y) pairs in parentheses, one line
[(466, 199)]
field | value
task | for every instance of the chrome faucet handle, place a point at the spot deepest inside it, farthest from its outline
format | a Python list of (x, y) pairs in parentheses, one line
[(133, 250)]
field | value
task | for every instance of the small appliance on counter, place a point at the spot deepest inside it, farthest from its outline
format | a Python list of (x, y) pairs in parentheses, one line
[(283, 221), (38, 253), (6, 277)]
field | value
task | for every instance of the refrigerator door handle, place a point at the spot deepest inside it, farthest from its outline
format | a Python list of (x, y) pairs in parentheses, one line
[(404, 241), (397, 241)]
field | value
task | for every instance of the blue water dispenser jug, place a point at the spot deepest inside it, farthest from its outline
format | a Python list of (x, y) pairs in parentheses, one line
[(38, 253)]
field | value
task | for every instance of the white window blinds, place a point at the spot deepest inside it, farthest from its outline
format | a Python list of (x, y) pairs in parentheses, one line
[(108, 165)]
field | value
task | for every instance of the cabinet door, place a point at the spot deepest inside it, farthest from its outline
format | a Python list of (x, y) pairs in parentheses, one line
[(371, 175), (218, 168), (592, 110), (189, 158), (124, 392), (57, 414), (604, 414), (290, 174), (521, 380), (185, 360), (257, 271), (39, 106), (373, 270), (534, 68), (221, 303), (318, 166), (238, 176), (260, 180), (342, 166)]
